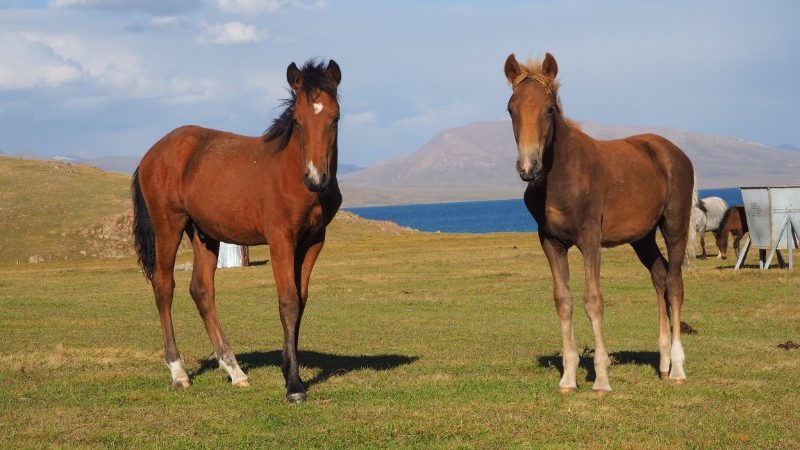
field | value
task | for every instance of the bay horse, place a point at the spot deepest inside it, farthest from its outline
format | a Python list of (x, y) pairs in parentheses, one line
[(592, 194), (709, 215), (278, 189), (734, 222)]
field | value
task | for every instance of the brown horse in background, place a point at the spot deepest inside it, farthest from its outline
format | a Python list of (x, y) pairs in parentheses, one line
[(591, 193), (279, 188), (734, 222)]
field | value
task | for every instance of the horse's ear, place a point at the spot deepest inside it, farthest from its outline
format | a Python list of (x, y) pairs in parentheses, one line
[(550, 66), (294, 76), (512, 68), (334, 72)]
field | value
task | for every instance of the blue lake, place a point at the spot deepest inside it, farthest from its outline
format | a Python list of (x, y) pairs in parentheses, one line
[(482, 216)]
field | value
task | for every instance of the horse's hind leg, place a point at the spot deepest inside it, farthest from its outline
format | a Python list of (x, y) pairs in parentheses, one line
[(675, 233), (168, 234), (702, 233), (651, 257), (202, 291)]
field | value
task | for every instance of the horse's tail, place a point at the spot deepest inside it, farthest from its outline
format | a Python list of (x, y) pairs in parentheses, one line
[(144, 237), (689, 256)]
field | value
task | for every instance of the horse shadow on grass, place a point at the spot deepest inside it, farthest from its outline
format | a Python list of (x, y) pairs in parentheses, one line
[(329, 364), (641, 358)]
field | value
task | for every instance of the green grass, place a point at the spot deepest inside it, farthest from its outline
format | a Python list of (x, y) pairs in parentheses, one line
[(411, 340), (44, 206)]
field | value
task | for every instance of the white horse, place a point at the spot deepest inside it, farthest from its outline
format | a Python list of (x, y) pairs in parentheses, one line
[(709, 212)]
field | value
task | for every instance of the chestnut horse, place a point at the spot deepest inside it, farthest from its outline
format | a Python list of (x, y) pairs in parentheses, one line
[(591, 193), (279, 188), (734, 222)]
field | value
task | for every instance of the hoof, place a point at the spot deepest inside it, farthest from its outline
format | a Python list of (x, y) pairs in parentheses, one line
[(242, 383), (567, 389), (680, 381), (665, 375), (297, 397), (181, 384)]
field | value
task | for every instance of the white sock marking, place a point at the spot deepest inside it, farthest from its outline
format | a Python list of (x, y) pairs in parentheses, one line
[(176, 369), (317, 108), (235, 373)]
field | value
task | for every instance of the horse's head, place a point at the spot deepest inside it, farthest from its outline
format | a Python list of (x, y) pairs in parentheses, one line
[(533, 108), (316, 118)]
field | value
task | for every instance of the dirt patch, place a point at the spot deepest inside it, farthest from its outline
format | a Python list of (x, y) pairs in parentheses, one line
[(789, 345), (112, 237), (380, 225), (687, 329)]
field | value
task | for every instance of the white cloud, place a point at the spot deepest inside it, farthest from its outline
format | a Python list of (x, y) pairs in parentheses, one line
[(250, 7), (360, 118), (149, 6), (230, 33), (26, 63), (40, 61), (158, 23), (439, 116)]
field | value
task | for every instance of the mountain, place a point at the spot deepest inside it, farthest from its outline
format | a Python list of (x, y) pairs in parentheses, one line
[(791, 147), (476, 162), (344, 169)]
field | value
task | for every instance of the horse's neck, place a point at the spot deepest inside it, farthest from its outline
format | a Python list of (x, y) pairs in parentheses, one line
[(293, 158), (569, 149)]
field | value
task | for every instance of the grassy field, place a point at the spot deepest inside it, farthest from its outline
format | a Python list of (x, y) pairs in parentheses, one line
[(52, 210), (410, 340)]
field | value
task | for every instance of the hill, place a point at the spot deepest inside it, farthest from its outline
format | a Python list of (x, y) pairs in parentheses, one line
[(59, 210), (476, 162)]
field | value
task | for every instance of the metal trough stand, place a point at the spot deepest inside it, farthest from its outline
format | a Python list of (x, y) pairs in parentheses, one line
[(773, 217)]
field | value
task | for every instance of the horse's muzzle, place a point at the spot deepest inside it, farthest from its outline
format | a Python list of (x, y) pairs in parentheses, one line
[(318, 184), (528, 170)]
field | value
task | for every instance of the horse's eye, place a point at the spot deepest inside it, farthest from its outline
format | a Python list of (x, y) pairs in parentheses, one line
[(335, 122), (510, 111), (549, 111)]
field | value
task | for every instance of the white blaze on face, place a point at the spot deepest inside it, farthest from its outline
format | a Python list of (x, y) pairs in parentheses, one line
[(312, 172), (317, 107)]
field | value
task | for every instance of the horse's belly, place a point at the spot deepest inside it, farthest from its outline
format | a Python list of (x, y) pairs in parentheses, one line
[(621, 228), (240, 228)]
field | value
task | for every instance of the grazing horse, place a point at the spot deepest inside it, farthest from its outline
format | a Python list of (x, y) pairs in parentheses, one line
[(734, 222), (709, 215), (591, 193), (279, 188)]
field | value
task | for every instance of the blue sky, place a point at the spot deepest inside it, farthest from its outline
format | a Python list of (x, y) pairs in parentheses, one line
[(99, 77)]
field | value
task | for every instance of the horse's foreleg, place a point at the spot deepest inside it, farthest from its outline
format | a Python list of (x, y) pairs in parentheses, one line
[(593, 304), (559, 266), (282, 252), (202, 291), (305, 259)]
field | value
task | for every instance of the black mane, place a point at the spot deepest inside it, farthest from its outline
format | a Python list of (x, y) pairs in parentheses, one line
[(314, 79)]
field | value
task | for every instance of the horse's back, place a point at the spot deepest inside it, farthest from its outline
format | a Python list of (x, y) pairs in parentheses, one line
[(642, 173)]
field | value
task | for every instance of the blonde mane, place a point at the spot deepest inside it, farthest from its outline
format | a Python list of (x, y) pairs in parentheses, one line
[(533, 70)]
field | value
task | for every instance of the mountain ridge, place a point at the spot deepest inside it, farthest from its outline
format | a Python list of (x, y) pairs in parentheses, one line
[(476, 162)]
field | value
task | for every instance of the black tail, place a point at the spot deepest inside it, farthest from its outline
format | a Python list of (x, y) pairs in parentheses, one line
[(143, 235)]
